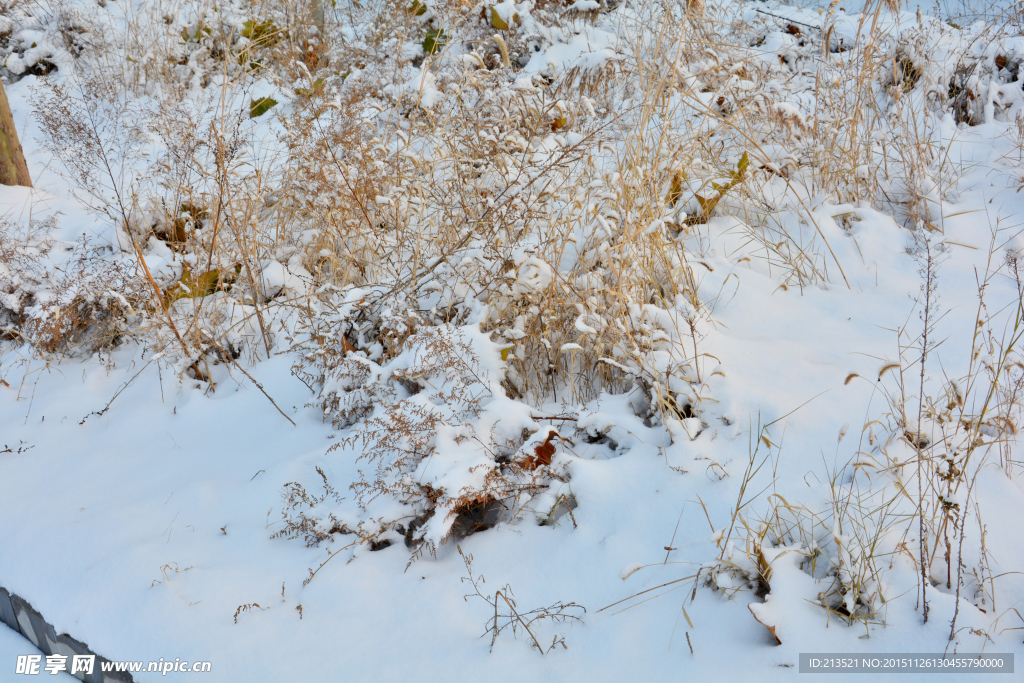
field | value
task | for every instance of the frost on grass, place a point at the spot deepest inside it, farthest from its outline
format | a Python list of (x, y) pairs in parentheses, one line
[(490, 238), (438, 437)]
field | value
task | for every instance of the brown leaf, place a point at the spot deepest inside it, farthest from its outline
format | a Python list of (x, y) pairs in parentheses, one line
[(541, 454), (771, 629)]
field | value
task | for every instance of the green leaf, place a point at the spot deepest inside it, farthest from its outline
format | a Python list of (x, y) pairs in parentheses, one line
[(197, 286), (435, 41), (318, 87), (197, 213), (743, 165), (263, 33), (499, 23), (417, 8), (496, 20), (261, 106), (201, 28)]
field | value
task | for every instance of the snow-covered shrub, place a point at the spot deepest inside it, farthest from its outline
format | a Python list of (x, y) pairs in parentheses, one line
[(74, 298), (448, 453)]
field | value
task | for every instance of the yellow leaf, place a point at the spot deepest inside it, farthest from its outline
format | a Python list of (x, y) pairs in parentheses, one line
[(197, 286), (675, 191), (496, 20)]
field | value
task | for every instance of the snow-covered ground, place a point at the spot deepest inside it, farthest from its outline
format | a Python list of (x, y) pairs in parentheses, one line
[(140, 508)]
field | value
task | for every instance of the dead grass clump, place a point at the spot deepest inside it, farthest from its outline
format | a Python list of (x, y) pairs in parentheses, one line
[(86, 303), (302, 520)]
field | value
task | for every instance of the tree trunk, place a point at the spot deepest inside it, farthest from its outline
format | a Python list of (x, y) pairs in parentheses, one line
[(13, 169)]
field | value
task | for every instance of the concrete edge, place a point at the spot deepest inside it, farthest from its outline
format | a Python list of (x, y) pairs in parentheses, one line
[(19, 615)]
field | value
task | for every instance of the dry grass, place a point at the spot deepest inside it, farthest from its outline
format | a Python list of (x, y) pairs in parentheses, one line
[(567, 218), (910, 488), (508, 616)]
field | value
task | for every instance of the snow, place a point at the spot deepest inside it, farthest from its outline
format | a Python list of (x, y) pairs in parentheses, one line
[(421, 88), (144, 509)]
